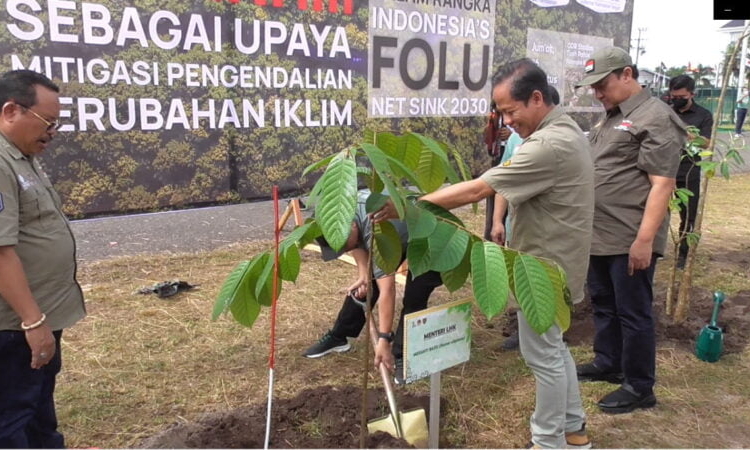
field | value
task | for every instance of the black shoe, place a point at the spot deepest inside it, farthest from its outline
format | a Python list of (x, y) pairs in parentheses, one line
[(590, 372), (327, 344), (625, 399), (511, 342), (398, 376), (681, 260)]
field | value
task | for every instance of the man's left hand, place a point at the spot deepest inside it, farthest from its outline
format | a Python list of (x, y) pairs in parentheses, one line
[(384, 355)]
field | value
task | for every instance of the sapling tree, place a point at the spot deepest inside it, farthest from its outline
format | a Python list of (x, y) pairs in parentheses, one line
[(402, 168), (718, 156)]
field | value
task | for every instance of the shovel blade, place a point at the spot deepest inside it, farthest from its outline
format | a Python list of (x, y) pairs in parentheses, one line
[(413, 425)]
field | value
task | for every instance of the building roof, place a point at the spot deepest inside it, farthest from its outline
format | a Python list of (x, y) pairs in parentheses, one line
[(732, 25)]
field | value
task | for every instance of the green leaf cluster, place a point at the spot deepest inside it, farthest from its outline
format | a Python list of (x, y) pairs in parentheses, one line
[(399, 169)]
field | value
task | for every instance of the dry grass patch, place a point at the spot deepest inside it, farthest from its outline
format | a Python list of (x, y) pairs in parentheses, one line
[(138, 363)]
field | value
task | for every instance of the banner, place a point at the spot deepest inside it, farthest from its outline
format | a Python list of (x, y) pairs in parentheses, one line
[(562, 56), (169, 104), (604, 6), (430, 58)]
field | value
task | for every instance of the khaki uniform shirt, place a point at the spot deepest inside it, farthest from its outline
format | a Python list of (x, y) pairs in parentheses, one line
[(640, 137), (549, 182), (32, 222)]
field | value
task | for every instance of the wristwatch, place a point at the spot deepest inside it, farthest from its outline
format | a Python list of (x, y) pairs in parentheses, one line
[(387, 336)]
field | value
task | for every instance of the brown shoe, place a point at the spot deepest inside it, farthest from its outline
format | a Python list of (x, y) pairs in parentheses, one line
[(578, 439)]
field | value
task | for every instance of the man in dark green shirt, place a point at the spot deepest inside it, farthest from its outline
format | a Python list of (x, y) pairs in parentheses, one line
[(636, 151)]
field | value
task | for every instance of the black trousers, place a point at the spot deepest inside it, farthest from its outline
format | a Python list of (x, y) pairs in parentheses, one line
[(27, 405), (625, 337), (351, 318), (690, 179), (741, 114)]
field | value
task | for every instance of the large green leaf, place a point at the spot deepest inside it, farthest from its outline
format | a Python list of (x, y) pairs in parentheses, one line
[(420, 222), (379, 161), (534, 292), (317, 165), (563, 304), (418, 255), (435, 148), (462, 167), (441, 212), (409, 151), (430, 171), (289, 263), (245, 310), (234, 287), (455, 278), (297, 234), (510, 262), (447, 246), (375, 201), (489, 278), (386, 246), (338, 199), (261, 278), (387, 142)]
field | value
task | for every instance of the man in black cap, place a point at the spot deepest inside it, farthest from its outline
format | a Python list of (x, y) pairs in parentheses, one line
[(682, 97), (351, 317), (636, 153)]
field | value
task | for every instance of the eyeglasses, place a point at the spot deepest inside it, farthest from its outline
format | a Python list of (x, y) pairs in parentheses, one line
[(50, 125)]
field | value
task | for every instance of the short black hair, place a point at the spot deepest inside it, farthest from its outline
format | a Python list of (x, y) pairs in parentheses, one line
[(525, 78), (633, 67), (18, 85), (554, 96), (682, 81)]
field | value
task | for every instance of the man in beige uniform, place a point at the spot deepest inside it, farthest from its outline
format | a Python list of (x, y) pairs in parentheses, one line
[(549, 182), (39, 295), (636, 151)]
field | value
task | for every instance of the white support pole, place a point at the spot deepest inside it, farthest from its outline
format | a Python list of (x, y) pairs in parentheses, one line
[(434, 430)]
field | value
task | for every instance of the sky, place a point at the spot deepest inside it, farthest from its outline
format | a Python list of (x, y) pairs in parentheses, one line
[(677, 32)]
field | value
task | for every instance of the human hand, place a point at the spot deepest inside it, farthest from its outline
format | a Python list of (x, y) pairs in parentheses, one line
[(639, 257), (387, 212), (358, 289), (498, 233), (41, 341), (504, 133), (384, 355)]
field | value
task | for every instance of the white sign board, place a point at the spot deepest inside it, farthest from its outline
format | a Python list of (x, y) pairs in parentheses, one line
[(436, 339)]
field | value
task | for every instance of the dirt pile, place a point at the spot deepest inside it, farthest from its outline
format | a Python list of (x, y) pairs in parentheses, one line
[(734, 319), (321, 417)]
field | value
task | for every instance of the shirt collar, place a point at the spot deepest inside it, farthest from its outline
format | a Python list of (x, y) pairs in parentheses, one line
[(11, 148), (550, 117), (634, 101)]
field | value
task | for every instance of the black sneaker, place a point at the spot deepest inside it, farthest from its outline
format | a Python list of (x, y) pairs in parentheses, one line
[(625, 399), (327, 344), (590, 372), (511, 342), (398, 376)]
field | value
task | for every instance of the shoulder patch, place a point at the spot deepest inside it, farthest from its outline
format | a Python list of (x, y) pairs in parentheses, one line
[(506, 163), (2, 205)]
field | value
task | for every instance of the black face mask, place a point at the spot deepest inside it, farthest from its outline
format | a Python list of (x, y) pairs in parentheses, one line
[(679, 103)]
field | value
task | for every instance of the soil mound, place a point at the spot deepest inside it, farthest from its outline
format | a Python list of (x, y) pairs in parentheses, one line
[(734, 319), (320, 417)]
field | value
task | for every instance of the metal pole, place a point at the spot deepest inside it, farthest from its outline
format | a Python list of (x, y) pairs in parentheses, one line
[(434, 432)]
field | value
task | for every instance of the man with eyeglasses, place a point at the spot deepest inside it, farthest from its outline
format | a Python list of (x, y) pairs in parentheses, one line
[(39, 294), (636, 152)]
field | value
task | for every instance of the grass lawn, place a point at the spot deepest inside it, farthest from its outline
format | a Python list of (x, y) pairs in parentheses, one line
[(137, 363)]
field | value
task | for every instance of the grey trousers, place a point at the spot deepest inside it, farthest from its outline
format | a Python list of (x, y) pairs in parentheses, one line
[(558, 399)]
